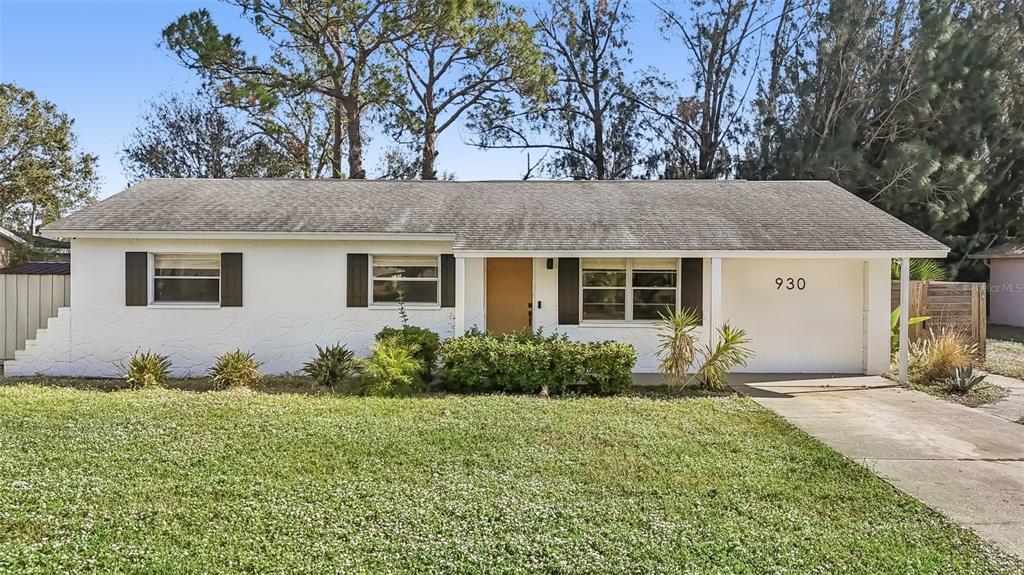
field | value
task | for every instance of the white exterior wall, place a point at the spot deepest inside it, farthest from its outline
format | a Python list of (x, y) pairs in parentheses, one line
[(642, 336), (294, 297), (838, 324)]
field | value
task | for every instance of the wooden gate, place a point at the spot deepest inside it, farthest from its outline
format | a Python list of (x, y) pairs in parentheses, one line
[(954, 305)]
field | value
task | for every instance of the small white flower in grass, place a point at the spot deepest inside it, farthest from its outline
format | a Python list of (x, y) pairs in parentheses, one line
[(22, 485)]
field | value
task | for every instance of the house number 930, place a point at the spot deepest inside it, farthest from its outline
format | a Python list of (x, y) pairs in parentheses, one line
[(790, 283)]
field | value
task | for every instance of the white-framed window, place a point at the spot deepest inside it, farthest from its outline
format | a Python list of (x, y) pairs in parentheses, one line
[(191, 278), (416, 277), (623, 289)]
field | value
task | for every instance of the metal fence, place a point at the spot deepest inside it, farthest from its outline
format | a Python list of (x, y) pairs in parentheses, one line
[(29, 300)]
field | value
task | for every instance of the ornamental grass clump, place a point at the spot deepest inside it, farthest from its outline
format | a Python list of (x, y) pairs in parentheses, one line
[(145, 369), (235, 369), (332, 366)]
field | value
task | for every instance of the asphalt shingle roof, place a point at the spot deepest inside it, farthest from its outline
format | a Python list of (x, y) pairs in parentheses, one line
[(518, 215), (1011, 249)]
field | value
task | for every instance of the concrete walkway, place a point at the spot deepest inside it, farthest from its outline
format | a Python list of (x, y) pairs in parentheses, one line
[(964, 462), (1012, 406)]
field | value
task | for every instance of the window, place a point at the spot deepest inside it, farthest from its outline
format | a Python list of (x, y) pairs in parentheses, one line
[(415, 276), (628, 289), (186, 278)]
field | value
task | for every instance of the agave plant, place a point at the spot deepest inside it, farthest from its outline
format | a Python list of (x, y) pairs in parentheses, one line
[(964, 380)]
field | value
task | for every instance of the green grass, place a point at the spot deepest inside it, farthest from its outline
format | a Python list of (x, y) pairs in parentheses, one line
[(173, 481), (1004, 352)]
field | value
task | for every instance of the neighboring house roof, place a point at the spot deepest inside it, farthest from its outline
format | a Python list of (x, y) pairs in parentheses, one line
[(40, 269), (529, 215), (37, 242), (1011, 249)]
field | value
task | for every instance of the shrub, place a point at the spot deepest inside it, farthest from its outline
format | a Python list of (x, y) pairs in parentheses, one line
[(145, 369), (235, 369), (427, 344), (392, 369), (528, 362), (331, 366)]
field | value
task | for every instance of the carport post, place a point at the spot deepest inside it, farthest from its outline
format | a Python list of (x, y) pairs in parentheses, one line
[(460, 295), (716, 300), (904, 317)]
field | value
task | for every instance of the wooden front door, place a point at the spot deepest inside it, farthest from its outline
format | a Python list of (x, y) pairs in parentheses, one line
[(509, 294)]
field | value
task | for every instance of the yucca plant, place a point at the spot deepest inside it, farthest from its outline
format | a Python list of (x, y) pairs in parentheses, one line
[(677, 349), (719, 359), (145, 369), (964, 380), (235, 369), (331, 366)]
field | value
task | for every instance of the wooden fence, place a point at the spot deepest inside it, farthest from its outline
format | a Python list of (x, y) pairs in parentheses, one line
[(953, 305), (29, 300)]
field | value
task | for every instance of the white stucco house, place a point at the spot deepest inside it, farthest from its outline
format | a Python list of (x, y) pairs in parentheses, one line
[(193, 268)]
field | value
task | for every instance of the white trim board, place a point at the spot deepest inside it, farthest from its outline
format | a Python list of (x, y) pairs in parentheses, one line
[(745, 254)]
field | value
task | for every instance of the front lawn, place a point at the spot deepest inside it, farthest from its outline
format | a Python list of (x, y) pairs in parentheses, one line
[(173, 481)]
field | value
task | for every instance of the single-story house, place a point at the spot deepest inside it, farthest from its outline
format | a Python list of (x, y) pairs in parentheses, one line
[(192, 268), (10, 241), (1005, 282)]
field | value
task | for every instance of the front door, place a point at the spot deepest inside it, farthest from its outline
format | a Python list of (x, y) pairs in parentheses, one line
[(509, 294)]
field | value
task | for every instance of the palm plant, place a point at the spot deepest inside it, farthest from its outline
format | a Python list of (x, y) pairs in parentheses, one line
[(719, 359), (921, 270), (677, 349)]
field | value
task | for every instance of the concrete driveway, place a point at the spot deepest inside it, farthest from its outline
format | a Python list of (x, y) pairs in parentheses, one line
[(964, 462)]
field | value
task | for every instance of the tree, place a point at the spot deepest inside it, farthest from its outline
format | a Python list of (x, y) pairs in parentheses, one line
[(590, 119), (909, 105), (699, 127), (182, 137), (330, 47), (43, 175), (465, 56)]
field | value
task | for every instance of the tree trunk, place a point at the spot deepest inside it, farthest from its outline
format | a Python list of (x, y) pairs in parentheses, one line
[(354, 130), (428, 169), (336, 144)]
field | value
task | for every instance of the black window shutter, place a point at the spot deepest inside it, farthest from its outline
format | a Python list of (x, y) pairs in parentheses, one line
[(692, 287), (136, 272), (231, 279), (447, 280), (358, 280), (568, 291)]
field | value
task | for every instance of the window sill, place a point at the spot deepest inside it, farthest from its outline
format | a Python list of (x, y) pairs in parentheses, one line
[(408, 306), (182, 305)]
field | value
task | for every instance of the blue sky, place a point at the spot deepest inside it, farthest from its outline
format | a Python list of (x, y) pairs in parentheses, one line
[(99, 62)]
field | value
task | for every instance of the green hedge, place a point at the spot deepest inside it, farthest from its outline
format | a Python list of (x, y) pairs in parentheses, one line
[(525, 362)]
